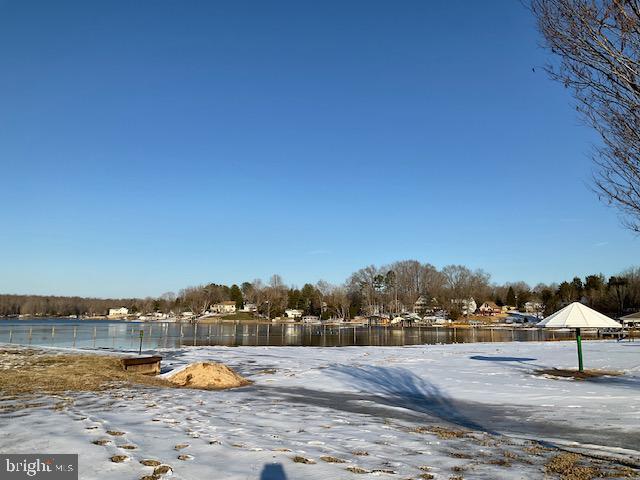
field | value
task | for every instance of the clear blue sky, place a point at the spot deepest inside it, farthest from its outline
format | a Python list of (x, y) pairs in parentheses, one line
[(146, 146)]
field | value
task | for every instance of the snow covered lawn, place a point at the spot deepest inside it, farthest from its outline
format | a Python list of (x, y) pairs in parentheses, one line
[(433, 411)]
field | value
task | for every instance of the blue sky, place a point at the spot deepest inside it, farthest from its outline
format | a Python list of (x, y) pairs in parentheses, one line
[(147, 146)]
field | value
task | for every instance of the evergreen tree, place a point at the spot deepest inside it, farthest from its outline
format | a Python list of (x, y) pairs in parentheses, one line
[(578, 288), (309, 299), (293, 298), (235, 294), (511, 297)]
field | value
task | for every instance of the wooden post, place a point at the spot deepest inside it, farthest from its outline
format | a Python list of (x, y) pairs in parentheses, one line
[(141, 335), (579, 340)]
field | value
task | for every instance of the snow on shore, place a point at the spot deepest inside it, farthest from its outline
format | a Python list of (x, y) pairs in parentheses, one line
[(395, 412)]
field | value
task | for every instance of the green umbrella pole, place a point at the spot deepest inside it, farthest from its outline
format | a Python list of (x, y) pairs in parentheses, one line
[(579, 340)]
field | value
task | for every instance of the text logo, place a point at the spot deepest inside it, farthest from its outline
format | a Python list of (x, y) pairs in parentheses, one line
[(39, 466)]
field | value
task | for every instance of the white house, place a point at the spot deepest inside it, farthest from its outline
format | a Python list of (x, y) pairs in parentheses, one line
[(228, 306), (249, 307), (294, 313), (423, 305), (118, 312), (533, 307), (467, 305)]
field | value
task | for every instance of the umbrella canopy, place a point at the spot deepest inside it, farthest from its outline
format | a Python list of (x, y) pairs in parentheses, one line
[(633, 318), (577, 315)]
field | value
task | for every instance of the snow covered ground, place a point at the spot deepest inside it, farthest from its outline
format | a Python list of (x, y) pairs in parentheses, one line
[(433, 411)]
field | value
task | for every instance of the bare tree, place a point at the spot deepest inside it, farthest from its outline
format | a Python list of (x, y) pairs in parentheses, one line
[(463, 283), (273, 298), (367, 282), (598, 43), (337, 298)]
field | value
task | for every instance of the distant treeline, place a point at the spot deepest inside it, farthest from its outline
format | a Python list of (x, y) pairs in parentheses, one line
[(64, 306), (386, 289)]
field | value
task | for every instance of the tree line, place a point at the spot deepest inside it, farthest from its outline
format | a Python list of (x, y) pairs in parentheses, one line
[(387, 289)]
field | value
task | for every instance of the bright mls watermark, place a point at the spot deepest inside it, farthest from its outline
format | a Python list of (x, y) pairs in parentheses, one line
[(39, 466)]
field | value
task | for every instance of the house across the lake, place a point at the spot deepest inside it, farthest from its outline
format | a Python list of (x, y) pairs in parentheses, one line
[(533, 307), (249, 307), (422, 305), (294, 313), (489, 308), (228, 306), (118, 312), (468, 306)]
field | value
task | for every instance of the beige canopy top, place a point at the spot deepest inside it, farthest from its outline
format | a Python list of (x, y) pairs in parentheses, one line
[(632, 318), (577, 315)]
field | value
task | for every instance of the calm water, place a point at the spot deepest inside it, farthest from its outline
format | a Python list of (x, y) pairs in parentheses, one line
[(126, 335)]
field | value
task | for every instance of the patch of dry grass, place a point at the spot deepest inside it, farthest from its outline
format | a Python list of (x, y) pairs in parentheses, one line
[(360, 453), (29, 371), (459, 455), (163, 470), (441, 432), (300, 459), (575, 374), (358, 470), (568, 466), (330, 459), (623, 472)]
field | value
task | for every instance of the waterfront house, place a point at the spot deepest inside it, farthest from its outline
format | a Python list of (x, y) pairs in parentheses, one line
[(489, 308), (310, 319), (533, 307), (228, 306), (422, 305), (118, 312), (294, 313), (249, 307), (468, 306)]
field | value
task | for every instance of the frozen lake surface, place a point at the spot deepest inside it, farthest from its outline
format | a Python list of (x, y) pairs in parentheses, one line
[(126, 335)]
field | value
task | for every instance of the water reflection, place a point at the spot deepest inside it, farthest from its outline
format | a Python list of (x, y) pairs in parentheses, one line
[(126, 335)]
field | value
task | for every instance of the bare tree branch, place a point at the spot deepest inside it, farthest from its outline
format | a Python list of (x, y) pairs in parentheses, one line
[(598, 44)]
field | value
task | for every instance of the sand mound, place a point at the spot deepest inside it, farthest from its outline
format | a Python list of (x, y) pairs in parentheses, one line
[(207, 375)]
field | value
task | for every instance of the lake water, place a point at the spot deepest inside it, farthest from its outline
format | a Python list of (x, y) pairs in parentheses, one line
[(126, 335)]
